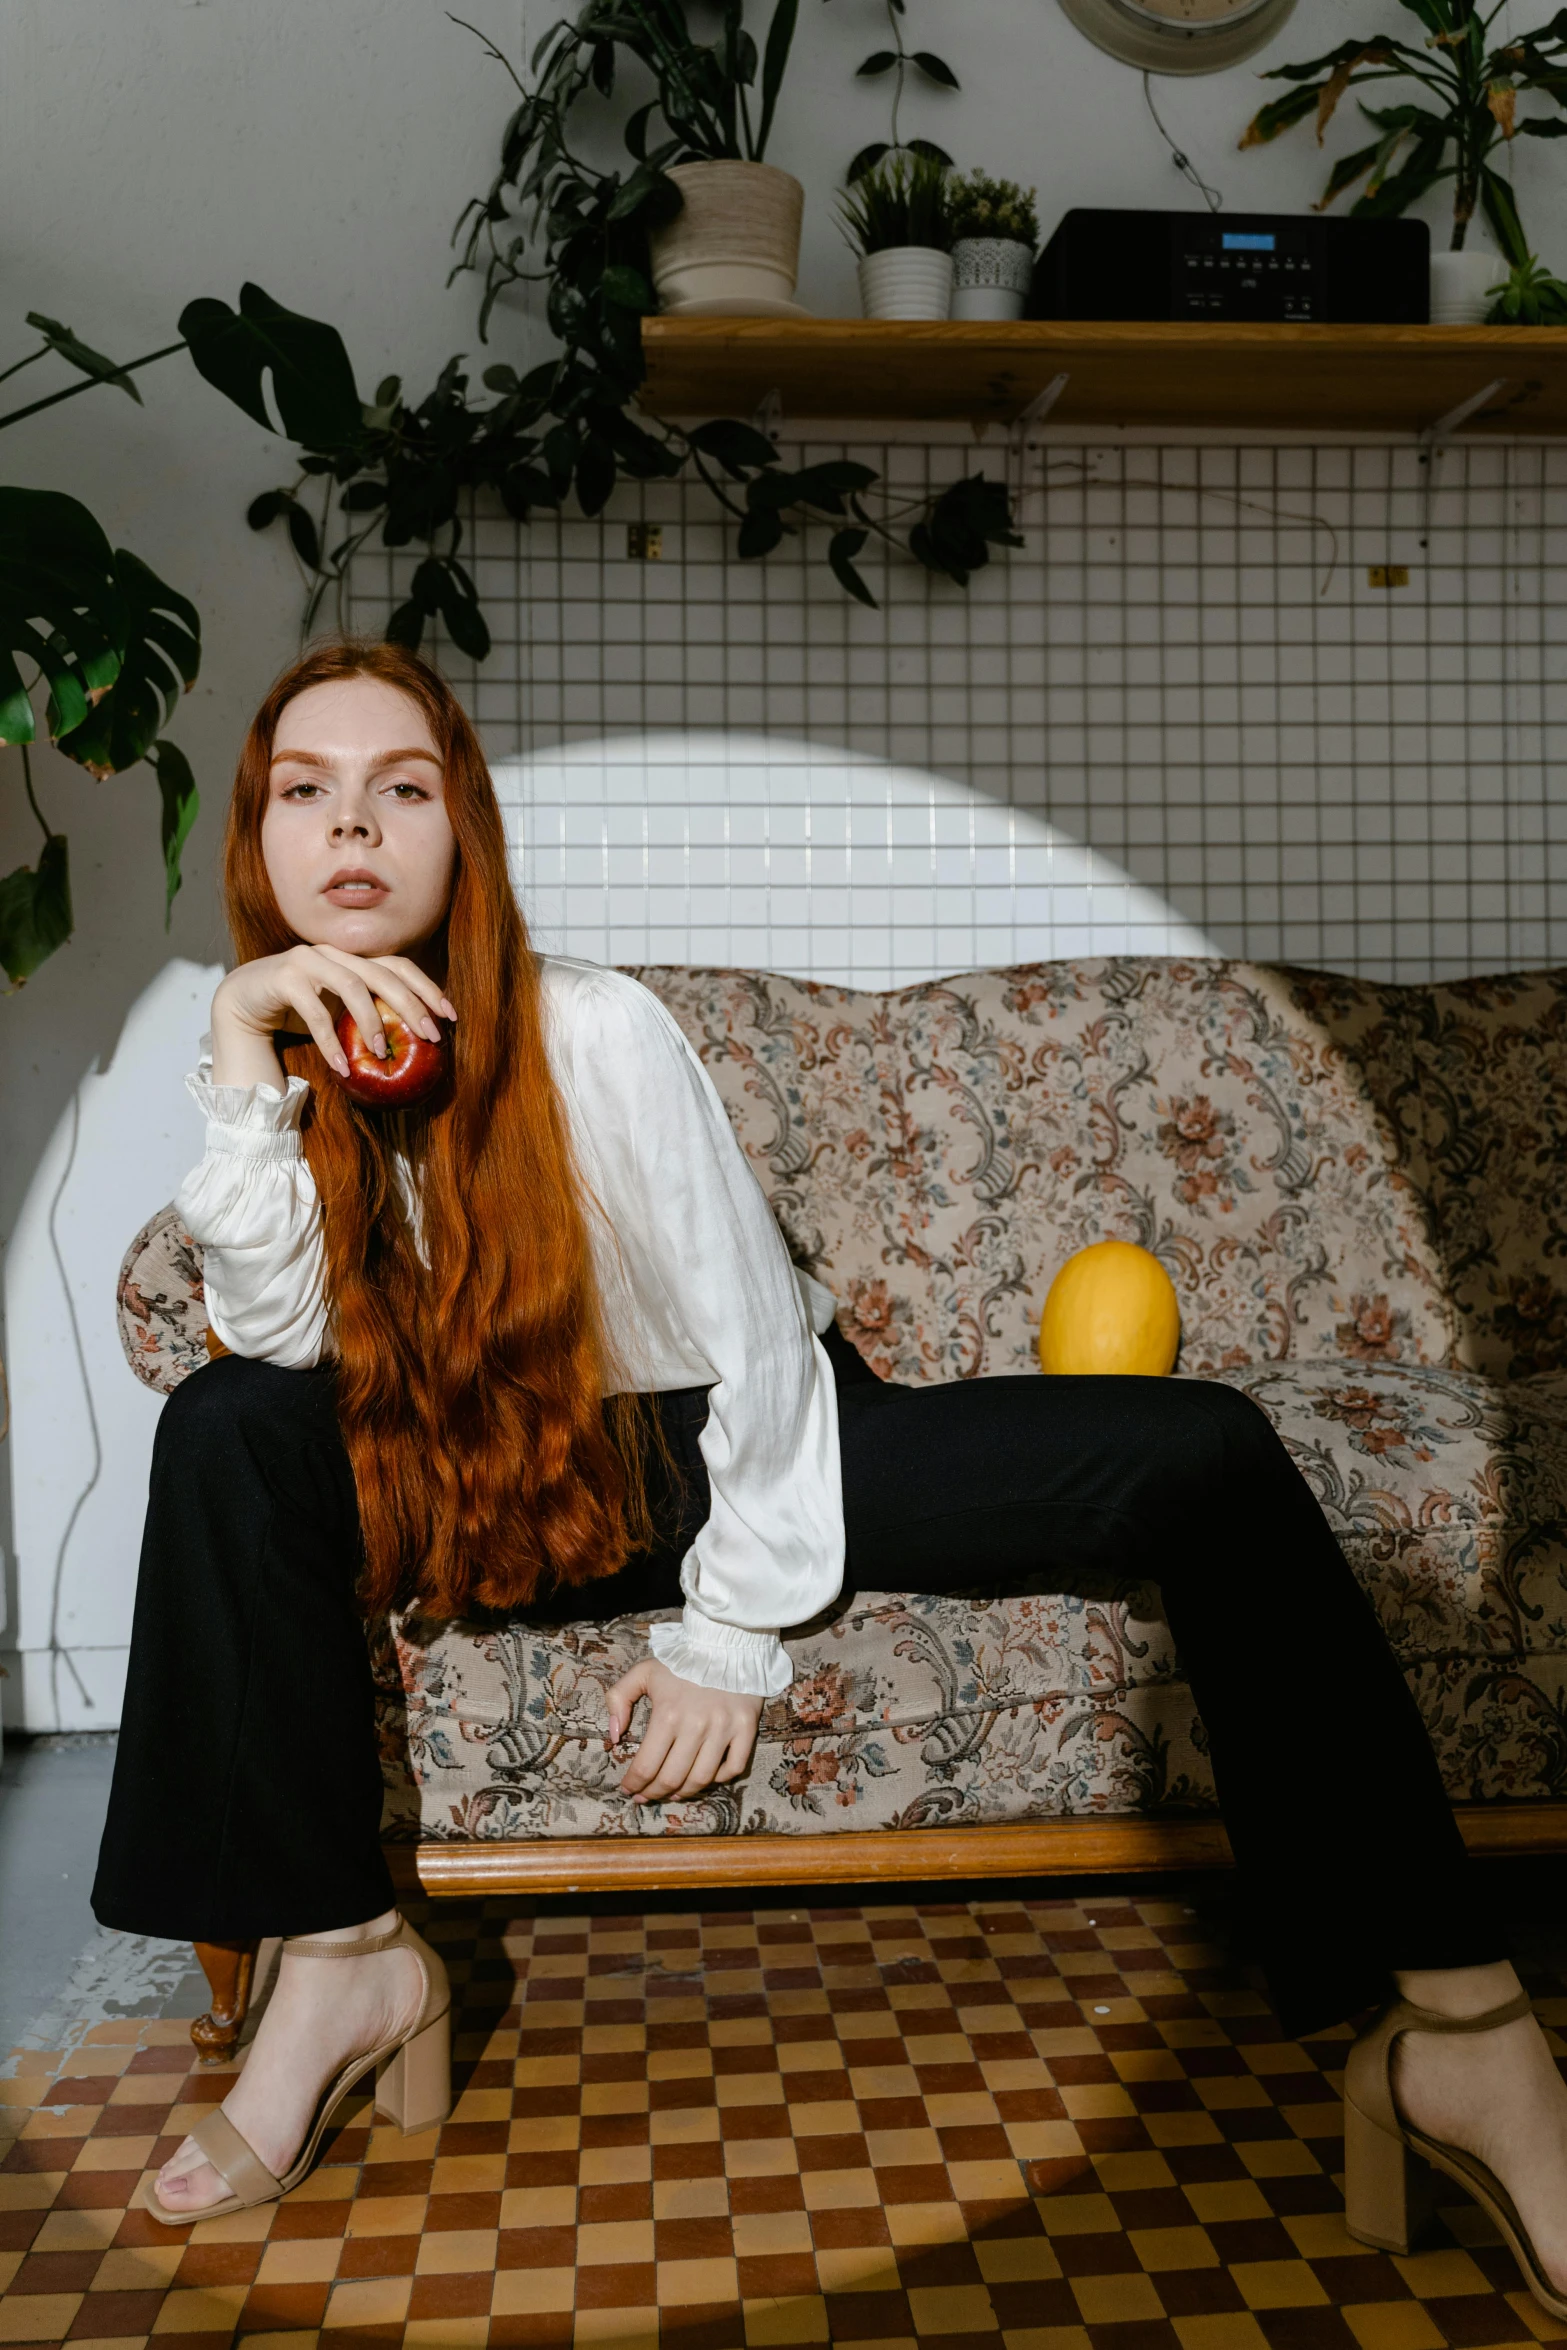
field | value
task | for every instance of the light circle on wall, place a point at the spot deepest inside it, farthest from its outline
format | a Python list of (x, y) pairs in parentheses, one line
[(739, 849), (1179, 36)]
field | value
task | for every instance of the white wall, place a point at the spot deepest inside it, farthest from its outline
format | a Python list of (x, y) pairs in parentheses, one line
[(152, 150)]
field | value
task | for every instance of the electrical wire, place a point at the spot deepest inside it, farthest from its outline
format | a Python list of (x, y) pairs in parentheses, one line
[(1212, 197)]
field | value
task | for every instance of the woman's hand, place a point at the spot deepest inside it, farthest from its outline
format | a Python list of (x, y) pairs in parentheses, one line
[(288, 991), (695, 1737)]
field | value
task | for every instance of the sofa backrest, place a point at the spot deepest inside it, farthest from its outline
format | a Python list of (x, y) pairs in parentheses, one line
[(1326, 1167), (935, 1153), (1490, 1060)]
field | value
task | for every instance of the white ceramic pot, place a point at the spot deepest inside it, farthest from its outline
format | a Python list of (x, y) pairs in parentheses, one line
[(735, 242), (1461, 286), (990, 277), (906, 281)]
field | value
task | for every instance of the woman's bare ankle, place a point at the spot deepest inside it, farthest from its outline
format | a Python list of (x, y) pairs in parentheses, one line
[(1460, 1991), (362, 1933)]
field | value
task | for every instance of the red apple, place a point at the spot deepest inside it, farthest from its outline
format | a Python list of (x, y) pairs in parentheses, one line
[(413, 1066)]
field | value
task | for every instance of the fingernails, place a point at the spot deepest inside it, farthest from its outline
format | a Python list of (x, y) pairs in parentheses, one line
[(378, 1044), (430, 1030), (340, 1064), (449, 1009)]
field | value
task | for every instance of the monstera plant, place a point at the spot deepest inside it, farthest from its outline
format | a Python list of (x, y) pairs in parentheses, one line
[(93, 633), (89, 631)]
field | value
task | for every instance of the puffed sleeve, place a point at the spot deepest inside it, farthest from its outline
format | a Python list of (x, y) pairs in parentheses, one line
[(251, 1205), (693, 1223)]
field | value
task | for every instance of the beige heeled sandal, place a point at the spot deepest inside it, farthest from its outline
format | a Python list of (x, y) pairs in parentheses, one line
[(413, 2089), (1388, 2187)]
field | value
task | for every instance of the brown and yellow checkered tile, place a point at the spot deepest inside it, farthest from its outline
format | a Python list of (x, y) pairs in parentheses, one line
[(993, 2125)]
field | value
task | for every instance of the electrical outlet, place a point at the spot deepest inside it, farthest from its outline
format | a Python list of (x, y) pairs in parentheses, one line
[(1388, 575), (644, 542)]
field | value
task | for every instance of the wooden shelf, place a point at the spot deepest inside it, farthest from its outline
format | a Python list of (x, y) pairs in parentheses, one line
[(1288, 378)]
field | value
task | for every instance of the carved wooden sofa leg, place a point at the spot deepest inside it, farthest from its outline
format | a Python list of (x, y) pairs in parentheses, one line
[(230, 1969)]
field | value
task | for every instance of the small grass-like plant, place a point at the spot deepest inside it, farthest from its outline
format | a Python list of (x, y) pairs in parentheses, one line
[(979, 206), (902, 200)]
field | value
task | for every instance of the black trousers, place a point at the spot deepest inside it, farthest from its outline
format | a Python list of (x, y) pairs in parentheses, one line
[(247, 1795)]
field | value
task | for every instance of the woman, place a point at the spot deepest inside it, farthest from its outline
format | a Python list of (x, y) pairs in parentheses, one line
[(539, 1346)]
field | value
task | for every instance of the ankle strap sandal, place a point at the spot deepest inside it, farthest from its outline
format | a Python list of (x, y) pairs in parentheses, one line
[(413, 2089), (1389, 2192)]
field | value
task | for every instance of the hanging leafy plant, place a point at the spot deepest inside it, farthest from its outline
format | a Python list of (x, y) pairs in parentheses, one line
[(1472, 92), (569, 429)]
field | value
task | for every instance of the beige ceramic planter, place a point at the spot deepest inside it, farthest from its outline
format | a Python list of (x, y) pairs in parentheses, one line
[(735, 244)]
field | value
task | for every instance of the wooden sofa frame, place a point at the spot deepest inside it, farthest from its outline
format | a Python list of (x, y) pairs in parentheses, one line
[(667, 1864)]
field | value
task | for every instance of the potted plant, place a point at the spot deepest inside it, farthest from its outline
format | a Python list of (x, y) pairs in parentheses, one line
[(995, 230), (723, 226), (1471, 102), (896, 214), (1529, 295)]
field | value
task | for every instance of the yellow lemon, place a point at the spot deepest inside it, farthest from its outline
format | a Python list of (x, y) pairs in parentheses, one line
[(1111, 1308)]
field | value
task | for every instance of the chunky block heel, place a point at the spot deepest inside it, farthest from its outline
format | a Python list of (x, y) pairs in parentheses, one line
[(1389, 2189), (1389, 2193), (414, 2088)]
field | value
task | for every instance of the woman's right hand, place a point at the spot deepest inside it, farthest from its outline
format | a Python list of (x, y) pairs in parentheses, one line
[(291, 990)]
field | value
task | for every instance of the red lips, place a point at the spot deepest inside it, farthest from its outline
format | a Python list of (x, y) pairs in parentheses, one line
[(412, 1069)]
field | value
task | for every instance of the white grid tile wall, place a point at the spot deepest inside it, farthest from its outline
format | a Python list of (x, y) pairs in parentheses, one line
[(1183, 689)]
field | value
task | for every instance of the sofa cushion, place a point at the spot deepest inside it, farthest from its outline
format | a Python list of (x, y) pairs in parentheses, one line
[(935, 1153), (907, 1712), (1449, 1496)]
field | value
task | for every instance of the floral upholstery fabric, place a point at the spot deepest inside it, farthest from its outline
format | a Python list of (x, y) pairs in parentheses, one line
[(935, 1154), (1360, 1195), (1492, 1080), (161, 1305)]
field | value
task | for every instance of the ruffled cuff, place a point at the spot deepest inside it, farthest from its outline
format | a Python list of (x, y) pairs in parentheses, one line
[(251, 1121), (717, 1656)]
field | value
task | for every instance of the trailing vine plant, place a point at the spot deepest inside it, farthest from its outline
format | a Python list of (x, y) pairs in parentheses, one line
[(900, 61), (567, 429)]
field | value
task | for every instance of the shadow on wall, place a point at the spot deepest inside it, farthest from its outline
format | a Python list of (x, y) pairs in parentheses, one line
[(81, 1430), (755, 851)]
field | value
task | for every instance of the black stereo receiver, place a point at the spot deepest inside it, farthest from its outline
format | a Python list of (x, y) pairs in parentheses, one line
[(1265, 266)]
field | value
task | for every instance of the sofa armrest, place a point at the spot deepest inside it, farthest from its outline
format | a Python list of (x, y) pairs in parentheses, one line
[(161, 1305)]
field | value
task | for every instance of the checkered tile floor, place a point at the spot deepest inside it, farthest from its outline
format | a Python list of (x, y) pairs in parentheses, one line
[(1055, 2125)]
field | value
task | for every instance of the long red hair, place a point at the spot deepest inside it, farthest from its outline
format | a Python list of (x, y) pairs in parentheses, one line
[(471, 1370)]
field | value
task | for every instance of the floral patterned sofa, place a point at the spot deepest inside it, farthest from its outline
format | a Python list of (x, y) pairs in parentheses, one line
[(1360, 1192)]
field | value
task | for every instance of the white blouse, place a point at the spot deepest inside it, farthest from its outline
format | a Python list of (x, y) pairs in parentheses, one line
[(699, 1291)]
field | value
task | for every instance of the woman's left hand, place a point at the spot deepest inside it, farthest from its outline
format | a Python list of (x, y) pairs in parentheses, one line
[(695, 1737)]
